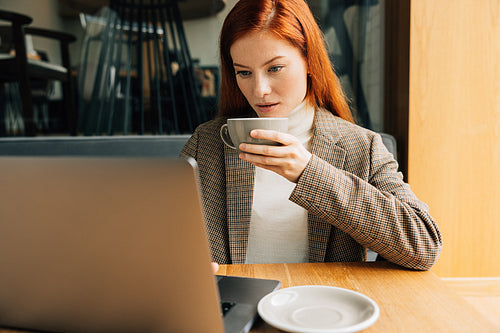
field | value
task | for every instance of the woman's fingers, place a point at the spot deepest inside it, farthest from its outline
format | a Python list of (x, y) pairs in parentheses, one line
[(288, 160), (283, 138)]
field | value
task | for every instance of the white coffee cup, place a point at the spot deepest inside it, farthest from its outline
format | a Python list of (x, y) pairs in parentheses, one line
[(237, 130)]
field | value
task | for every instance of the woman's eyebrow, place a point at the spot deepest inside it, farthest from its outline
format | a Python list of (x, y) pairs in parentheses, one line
[(266, 63), (238, 65)]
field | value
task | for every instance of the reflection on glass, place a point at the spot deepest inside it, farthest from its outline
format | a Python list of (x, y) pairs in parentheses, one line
[(354, 33)]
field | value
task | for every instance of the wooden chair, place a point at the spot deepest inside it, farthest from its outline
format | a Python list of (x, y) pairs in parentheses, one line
[(17, 66)]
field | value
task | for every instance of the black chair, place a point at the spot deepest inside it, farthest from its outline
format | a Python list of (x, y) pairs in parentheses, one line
[(17, 67), (141, 80), (390, 143)]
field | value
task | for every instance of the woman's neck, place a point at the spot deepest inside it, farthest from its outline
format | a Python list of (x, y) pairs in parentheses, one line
[(300, 121)]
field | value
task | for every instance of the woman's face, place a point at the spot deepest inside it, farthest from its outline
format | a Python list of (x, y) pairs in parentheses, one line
[(270, 72)]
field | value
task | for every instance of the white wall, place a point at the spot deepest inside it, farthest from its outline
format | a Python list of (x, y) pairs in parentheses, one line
[(203, 36)]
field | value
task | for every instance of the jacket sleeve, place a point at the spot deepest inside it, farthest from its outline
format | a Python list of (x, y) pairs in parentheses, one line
[(378, 210)]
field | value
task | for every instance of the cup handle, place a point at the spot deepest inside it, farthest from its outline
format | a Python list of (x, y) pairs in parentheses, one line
[(224, 135)]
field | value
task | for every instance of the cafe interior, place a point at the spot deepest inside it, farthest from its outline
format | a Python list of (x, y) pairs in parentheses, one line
[(121, 76)]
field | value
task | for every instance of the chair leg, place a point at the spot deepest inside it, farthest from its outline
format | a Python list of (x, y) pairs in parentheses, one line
[(69, 93), (27, 101), (70, 105), (3, 102)]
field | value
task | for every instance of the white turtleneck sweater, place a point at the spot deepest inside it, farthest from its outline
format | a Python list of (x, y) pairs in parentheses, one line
[(278, 227)]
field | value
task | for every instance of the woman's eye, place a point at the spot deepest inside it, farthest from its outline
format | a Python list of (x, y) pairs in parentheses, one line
[(243, 73), (276, 68)]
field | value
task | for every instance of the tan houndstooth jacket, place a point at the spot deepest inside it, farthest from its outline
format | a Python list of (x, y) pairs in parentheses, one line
[(352, 191)]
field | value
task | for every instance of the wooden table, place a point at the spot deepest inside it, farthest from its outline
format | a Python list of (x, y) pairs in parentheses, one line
[(409, 301)]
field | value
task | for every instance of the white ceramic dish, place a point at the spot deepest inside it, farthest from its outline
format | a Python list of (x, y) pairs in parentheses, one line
[(318, 309)]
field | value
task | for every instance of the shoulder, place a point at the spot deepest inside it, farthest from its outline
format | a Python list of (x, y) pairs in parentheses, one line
[(344, 133), (363, 149), (209, 131), (211, 127), (205, 140)]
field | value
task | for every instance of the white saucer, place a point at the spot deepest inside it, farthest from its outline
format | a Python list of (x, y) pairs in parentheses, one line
[(318, 309)]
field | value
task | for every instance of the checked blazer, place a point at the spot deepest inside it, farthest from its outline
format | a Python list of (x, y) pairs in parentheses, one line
[(354, 195)]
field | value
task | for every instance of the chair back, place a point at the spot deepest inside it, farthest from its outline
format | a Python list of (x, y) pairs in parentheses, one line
[(390, 143), (5, 39), (136, 72), (20, 66)]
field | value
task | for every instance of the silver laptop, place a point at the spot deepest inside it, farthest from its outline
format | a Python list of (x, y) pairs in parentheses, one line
[(112, 245)]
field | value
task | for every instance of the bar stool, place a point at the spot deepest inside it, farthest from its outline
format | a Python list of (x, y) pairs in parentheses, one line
[(136, 71)]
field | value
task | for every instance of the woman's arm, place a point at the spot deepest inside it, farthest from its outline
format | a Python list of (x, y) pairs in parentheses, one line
[(380, 213)]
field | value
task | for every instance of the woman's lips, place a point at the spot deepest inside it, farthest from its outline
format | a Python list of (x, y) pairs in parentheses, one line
[(267, 107)]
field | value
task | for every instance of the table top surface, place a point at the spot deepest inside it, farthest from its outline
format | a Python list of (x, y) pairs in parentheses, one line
[(409, 301)]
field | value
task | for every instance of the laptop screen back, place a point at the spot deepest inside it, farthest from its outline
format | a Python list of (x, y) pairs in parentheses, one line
[(104, 245)]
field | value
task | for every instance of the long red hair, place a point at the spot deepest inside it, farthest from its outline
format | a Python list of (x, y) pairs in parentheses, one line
[(290, 20)]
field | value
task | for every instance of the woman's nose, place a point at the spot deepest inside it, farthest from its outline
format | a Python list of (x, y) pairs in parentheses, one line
[(262, 86)]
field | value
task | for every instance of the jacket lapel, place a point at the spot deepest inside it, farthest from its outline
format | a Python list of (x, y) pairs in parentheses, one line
[(324, 145), (239, 188), (325, 139)]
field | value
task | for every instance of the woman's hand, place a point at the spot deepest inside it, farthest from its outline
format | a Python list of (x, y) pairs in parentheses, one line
[(215, 267), (288, 160)]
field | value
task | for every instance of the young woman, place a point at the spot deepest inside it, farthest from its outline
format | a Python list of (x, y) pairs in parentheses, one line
[(331, 190)]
